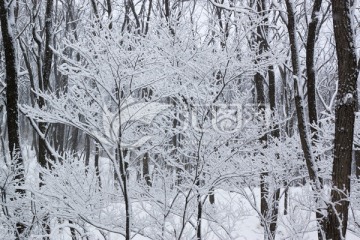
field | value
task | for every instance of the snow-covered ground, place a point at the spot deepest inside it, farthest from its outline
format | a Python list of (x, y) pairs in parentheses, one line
[(235, 212), (233, 216)]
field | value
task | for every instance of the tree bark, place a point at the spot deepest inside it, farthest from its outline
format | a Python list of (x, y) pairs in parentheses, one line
[(357, 163), (146, 170), (109, 11), (259, 43), (146, 94), (305, 139), (123, 181), (268, 202), (44, 85), (8, 41), (344, 119), (275, 134), (96, 162), (44, 82), (199, 216), (310, 66), (311, 92), (299, 102), (87, 152)]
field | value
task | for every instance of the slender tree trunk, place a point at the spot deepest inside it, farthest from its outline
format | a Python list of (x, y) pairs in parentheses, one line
[(87, 151), (259, 84), (44, 81), (299, 101), (268, 202), (12, 106), (289, 124), (123, 179), (48, 54), (305, 138), (275, 134), (311, 94), (344, 119), (286, 201), (74, 138), (95, 10), (146, 170), (259, 43), (109, 11), (44, 85), (148, 17), (310, 66), (147, 94), (212, 195), (199, 217), (96, 162)]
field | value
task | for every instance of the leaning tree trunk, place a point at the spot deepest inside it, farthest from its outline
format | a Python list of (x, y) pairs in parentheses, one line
[(300, 109), (344, 120), (8, 41)]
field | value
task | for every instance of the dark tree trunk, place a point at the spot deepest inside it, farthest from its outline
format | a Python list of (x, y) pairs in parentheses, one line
[(44, 85), (275, 134), (260, 44), (109, 11), (268, 202), (259, 84), (48, 54), (126, 21), (301, 116), (74, 138), (199, 217), (311, 92), (87, 152), (357, 162), (299, 102), (148, 17), (286, 201), (44, 81), (95, 10), (287, 101), (212, 196), (310, 66), (146, 170), (123, 180), (59, 138), (12, 105), (96, 160), (344, 119), (147, 94)]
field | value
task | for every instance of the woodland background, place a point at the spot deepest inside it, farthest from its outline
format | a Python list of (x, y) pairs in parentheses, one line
[(179, 119)]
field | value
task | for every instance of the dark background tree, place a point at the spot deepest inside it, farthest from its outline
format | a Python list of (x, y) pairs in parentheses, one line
[(346, 102), (12, 96)]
